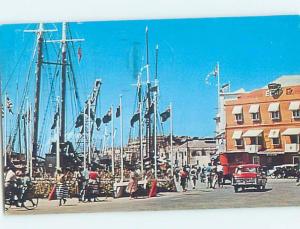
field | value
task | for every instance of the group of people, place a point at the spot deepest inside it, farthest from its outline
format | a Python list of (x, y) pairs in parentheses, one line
[(212, 175), (16, 183)]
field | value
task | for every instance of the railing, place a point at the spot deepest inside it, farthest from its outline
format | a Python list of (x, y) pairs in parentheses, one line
[(291, 148)]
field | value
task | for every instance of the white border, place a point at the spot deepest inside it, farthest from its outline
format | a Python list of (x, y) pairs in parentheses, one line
[(25, 11)]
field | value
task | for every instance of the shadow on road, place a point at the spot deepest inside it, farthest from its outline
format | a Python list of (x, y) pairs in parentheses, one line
[(255, 190)]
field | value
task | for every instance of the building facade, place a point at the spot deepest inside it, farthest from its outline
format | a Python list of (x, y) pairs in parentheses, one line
[(263, 126)]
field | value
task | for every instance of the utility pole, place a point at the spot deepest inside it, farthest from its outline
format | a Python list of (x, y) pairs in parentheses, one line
[(121, 139), (112, 141), (171, 136)]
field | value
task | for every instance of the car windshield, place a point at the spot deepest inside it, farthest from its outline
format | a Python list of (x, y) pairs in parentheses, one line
[(246, 170)]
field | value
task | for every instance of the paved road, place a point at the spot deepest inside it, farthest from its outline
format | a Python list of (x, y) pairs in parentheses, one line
[(278, 193)]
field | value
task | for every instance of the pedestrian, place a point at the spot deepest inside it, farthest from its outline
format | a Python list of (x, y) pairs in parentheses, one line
[(193, 176), (220, 175), (62, 191), (208, 175), (132, 185), (183, 178)]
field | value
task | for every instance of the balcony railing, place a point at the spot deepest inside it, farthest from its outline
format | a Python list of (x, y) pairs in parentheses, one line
[(292, 148), (252, 148)]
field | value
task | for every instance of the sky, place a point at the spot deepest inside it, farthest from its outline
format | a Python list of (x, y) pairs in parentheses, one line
[(251, 51)]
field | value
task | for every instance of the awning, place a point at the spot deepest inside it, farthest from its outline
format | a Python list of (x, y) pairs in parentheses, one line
[(254, 108), (294, 105), (237, 110), (291, 131), (237, 134), (267, 153), (274, 133), (252, 133), (273, 107)]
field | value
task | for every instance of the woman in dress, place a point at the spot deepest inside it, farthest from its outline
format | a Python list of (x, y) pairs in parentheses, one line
[(62, 191), (132, 185)]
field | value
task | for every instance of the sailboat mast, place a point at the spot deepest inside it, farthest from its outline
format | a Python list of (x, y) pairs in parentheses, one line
[(139, 85), (155, 114), (63, 82), (40, 41), (1, 127), (148, 120)]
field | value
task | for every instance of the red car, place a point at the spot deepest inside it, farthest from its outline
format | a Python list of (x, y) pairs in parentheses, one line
[(247, 176)]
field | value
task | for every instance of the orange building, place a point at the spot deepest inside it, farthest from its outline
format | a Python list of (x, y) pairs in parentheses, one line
[(263, 126)]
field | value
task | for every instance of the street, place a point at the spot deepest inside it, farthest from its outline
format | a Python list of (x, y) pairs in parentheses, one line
[(278, 193)]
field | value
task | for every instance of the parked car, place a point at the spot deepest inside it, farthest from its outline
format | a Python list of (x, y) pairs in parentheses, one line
[(247, 176), (285, 171)]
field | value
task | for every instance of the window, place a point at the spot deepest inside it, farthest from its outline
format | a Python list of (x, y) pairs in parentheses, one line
[(296, 160), (254, 111), (275, 141), (203, 152), (275, 115), (296, 113), (239, 142), (255, 141), (295, 139), (255, 116), (238, 117)]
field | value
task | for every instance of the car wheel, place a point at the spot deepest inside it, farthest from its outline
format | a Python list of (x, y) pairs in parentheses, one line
[(236, 188)]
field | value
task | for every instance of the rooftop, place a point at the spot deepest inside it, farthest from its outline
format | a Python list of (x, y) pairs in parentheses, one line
[(287, 81)]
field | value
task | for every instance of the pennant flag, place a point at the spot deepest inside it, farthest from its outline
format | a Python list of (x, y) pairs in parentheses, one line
[(79, 120), (118, 112), (214, 73), (9, 105), (55, 120), (224, 87), (79, 53), (154, 89), (107, 117), (165, 115), (150, 111), (98, 123), (134, 119)]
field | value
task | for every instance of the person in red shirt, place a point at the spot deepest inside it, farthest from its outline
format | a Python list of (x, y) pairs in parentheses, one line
[(183, 178)]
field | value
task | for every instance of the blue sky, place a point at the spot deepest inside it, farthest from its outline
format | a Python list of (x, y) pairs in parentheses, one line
[(252, 51)]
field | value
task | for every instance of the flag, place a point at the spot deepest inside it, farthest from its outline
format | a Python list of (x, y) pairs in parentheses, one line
[(214, 73), (150, 111), (165, 115), (134, 118), (98, 123), (79, 53), (55, 120), (154, 89), (224, 87), (79, 120), (118, 112), (9, 105), (107, 117)]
